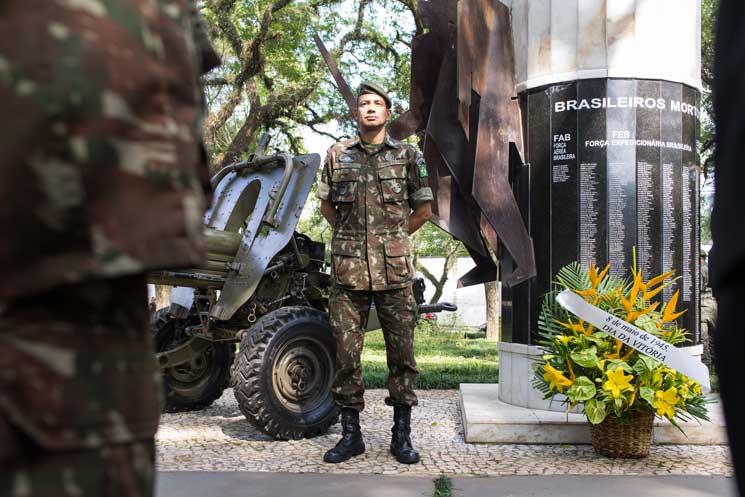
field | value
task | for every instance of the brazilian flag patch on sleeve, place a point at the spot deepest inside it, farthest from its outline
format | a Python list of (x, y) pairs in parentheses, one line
[(422, 167)]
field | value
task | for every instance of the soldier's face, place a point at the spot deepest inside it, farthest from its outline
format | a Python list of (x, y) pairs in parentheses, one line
[(371, 111)]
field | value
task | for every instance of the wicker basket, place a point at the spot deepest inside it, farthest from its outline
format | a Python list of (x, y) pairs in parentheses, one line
[(629, 437)]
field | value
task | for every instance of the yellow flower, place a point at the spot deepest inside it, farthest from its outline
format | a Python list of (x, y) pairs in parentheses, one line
[(684, 390), (657, 377), (695, 387), (617, 382), (555, 378), (665, 402), (564, 339)]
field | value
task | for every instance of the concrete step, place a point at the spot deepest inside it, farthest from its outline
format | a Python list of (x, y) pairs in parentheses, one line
[(242, 484), (486, 419)]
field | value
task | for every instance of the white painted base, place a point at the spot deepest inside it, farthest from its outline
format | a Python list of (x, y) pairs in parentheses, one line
[(488, 419)]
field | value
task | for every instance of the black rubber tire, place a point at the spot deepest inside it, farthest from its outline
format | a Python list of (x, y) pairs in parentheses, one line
[(180, 395), (290, 338)]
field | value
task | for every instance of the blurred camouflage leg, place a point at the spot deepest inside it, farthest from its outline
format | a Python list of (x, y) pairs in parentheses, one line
[(121, 470), (397, 311), (348, 313), (72, 360)]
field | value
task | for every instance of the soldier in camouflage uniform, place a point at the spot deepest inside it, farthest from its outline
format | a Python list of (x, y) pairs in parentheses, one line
[(369, 187), (101, 108)]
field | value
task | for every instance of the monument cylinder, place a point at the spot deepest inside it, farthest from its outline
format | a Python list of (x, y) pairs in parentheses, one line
[(609, 93)]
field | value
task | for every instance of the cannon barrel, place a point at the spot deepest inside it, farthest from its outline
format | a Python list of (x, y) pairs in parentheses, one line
[(221, 242), (221, 249)]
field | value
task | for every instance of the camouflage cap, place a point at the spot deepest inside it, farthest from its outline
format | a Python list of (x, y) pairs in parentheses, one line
[(370, 87)]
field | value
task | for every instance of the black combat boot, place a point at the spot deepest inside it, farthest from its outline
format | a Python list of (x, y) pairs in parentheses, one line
[(401, 439), (351, 443)]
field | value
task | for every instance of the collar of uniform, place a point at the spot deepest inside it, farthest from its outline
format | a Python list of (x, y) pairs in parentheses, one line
[(388, 140), (351, 142), (391, 142)]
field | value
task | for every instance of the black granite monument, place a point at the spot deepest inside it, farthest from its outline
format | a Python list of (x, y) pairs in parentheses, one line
[(612, 165)]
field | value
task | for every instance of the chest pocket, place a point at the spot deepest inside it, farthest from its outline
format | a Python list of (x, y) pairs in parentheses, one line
[(344, 184), (392, 176)]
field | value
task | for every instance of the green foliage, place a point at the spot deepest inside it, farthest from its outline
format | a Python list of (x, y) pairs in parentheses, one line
[(709, 9), (595, 411), (445, 359), (583, 389), (431, 241), (587, 358)]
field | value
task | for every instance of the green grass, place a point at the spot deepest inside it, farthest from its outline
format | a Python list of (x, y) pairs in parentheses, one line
[(443, 487), (444, 359)]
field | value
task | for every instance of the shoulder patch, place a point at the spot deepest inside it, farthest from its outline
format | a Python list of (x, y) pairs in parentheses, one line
[(422, 166)]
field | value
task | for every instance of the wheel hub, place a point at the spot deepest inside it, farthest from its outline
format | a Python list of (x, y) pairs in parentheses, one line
[(301, 375), (298, 380), (193, 370)]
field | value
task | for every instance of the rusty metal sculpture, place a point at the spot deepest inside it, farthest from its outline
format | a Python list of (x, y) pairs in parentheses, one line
[(462, 106)]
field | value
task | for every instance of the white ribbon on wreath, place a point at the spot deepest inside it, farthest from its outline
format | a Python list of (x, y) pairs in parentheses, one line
[(636, 338)]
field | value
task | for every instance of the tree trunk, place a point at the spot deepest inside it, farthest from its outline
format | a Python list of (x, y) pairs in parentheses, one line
[(493, 311), (438, 282), (162, 296)]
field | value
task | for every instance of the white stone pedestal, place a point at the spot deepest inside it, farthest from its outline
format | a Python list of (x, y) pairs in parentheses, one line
[(515, 412), (516, 375), (487, 419), (516, 378)]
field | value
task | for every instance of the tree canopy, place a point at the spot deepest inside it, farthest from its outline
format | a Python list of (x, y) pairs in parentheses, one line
[(273, 78)]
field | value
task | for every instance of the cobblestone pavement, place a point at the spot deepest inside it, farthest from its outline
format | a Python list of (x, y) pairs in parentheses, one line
[(220, 439)]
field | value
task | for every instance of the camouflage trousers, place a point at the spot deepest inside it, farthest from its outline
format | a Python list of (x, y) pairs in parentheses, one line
[(349, 312), (113, 470), (79, 392)]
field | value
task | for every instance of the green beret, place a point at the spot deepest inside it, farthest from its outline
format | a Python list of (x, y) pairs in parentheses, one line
[(369, 87)]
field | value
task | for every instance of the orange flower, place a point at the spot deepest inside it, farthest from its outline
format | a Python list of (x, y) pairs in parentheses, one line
[(668, 313), (577, 328), (596, 278)]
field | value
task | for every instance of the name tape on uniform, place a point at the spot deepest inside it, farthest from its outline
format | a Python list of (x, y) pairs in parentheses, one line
[(636, 338)]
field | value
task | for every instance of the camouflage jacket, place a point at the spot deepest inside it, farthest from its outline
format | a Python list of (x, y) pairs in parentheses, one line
[(101, 170), (373, 194)]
